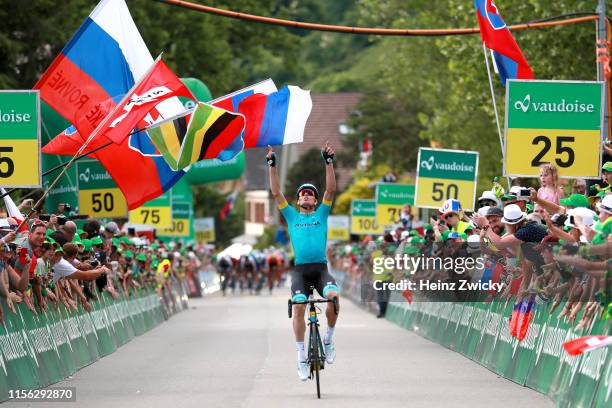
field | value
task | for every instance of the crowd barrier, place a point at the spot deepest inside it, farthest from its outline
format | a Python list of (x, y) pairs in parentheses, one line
[(481, 332), (37, 350)]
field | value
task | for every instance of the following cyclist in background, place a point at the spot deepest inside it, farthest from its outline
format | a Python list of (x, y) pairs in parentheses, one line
[(308, 232)]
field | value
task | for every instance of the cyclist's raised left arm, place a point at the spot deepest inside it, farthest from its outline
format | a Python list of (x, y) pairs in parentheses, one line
[(330, 176), (275, 187)]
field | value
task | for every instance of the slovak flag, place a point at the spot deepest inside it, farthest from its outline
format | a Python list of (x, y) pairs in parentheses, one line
[(509, 59), (276, 119), (586, 343)]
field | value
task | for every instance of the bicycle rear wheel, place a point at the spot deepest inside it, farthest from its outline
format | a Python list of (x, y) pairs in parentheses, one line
[(315, 362)]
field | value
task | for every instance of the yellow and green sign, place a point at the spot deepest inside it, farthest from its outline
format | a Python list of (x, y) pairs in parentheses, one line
[(182, 215), (20, 139), (444, 174), (99, 196), (338, 227), (557, 122), (363, 217), (156, 213), (390, 200), (204, 229)]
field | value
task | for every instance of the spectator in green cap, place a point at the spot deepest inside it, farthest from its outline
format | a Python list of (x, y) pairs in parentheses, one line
[(575, 201), (606, 175)]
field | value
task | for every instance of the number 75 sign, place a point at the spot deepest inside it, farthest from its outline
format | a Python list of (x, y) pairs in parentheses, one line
[(557, 122), (444, 174)]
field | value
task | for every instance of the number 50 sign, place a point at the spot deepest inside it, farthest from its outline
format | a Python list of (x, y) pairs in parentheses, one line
[(557, 122), (444, 174)]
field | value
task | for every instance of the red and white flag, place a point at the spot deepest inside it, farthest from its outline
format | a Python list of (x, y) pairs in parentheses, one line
[(157, 86), (581, 345)]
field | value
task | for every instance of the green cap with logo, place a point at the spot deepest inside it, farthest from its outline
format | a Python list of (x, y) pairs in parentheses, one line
[(128, 254), (575, 200), (141, 257), (607, 166)]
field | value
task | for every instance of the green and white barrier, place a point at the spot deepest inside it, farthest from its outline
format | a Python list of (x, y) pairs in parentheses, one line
[(480, 331), (39, 350)]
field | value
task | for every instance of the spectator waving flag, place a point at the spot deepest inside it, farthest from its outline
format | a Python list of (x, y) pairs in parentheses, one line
[(276, 119), (98, 66), (201, 134), (508, 58)]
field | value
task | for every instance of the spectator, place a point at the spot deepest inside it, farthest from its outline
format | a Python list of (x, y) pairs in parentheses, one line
[(450, 212), (579, 187), (549, 184), (65, 233)]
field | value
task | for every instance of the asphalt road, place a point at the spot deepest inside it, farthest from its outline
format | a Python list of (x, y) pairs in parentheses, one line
[(239, 351)]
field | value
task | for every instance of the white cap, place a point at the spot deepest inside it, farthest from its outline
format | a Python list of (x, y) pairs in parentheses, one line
[(483, 210), (585, 214), (473, 241), (513, 214), (489, 195), (605, 204)]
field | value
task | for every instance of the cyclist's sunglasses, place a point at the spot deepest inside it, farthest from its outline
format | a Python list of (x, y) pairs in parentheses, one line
[(307, 192)]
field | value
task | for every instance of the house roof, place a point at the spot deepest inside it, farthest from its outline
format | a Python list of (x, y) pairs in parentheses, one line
[(328, 111)]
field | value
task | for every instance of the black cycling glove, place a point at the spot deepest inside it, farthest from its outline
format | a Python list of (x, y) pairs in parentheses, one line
[(272, 160), (329, 158)]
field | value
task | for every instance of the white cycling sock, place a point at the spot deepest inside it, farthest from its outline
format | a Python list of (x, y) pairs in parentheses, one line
[(328, 335), (299, 345)]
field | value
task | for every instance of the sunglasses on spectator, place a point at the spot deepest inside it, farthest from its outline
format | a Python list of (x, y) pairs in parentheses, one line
[(485, 203), (37, 223)]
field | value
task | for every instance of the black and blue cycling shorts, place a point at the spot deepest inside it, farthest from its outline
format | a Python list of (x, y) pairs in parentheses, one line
[(311, 274)]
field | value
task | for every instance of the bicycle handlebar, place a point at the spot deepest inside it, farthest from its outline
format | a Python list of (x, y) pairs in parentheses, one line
[(311, 301), (334, 300)]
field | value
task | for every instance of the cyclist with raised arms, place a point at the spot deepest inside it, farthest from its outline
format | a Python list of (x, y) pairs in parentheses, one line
[(308, 232)]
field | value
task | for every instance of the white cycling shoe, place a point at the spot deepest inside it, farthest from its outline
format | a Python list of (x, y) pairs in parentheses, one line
[(330, 353), (303, 370)]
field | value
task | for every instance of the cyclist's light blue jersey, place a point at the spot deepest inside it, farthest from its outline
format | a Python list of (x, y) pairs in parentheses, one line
[(308, 232)]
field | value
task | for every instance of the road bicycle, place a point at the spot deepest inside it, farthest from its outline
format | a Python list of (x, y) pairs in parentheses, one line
[(316, 352)]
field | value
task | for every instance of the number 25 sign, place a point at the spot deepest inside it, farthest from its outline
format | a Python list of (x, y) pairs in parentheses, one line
[(557, 122)]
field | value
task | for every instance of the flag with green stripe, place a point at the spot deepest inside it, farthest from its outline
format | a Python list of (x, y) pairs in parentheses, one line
[(200, 134)]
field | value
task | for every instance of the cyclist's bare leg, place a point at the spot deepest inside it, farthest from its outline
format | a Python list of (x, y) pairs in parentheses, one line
[(331, 315), (299, 326)]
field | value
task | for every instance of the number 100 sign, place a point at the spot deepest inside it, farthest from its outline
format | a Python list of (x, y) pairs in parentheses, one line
[(557, 122), (444, 174)]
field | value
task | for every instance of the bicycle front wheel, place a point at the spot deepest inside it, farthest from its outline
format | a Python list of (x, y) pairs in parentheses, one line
[(315, 362)]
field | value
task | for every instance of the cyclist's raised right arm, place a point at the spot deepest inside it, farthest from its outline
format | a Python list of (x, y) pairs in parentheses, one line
[(274, 179)]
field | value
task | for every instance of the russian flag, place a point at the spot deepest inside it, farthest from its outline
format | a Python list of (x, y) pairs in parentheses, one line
[(231, 102), (508, 57), (276, 119), (100, 64)]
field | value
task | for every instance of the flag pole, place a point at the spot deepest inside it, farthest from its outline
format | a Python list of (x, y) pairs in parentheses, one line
[(93, 134), (501, 139)]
